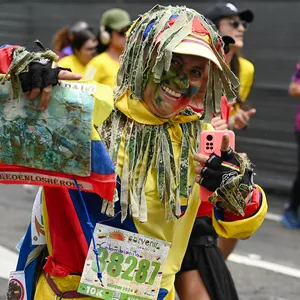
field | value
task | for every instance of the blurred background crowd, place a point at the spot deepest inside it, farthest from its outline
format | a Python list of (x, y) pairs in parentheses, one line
[(89, 37)]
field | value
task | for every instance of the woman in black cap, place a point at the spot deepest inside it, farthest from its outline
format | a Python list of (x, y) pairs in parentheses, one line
[(234, 22), (231, 21)]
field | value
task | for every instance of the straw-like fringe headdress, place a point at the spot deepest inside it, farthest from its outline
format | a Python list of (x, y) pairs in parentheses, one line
[(149, 146), (152, 29)]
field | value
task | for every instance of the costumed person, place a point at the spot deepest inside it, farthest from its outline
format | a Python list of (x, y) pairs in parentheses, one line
[(84, 46), (61, 41), (152, 137), (112, 34), (233, 22), (204, 273), (158, 100), (290, 217)]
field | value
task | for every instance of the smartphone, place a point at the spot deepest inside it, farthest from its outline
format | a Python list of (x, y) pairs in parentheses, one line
[(210, 142)]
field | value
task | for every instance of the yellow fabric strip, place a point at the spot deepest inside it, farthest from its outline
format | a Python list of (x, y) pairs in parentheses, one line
[(242, 228), (64, 284)]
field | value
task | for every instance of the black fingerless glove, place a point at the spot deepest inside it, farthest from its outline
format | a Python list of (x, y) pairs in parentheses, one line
[(230, 177), (39, 72)]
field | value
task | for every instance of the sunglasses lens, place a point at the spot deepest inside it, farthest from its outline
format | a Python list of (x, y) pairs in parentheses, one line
[(246, 25), (236, 24)]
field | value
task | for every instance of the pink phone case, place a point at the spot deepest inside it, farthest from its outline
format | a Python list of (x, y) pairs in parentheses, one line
[(210, 142)]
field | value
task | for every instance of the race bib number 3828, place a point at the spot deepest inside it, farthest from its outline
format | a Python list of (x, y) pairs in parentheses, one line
[(131, 265)]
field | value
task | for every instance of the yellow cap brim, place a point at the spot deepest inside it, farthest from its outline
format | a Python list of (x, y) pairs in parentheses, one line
[(198, 47)]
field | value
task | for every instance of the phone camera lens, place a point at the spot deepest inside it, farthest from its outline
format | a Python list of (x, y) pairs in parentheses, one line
[(209, 137)]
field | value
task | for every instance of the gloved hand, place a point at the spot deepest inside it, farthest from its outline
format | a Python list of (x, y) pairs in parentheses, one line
[(229, 176), (39, 73), (32, 64)]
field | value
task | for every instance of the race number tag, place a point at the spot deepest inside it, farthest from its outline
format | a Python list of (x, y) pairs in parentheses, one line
[(16, 286), (131, 265)]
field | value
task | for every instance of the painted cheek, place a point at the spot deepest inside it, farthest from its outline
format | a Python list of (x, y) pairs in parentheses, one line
[(157, 98), (167, 76), (190, 92), (193, 90), (182, 103)]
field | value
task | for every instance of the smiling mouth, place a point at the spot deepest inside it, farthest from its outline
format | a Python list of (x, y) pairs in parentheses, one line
[(170, 93)]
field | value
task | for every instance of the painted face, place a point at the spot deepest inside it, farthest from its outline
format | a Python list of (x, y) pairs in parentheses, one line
[(177, 87), (234, 27), (198, 99)]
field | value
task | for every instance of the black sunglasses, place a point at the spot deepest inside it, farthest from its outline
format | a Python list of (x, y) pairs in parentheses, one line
[(237, 23), (123, 31)]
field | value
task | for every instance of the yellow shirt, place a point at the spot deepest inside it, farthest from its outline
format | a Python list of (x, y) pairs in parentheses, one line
[(72, 62), (246, 76), (102, 69)]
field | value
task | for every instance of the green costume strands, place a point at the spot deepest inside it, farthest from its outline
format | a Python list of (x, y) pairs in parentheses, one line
[(162, 39), (146, 147), (148, 51), (232, 194), (21, 60)]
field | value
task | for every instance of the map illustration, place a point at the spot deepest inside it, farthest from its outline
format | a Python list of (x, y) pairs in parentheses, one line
[(57, 139)]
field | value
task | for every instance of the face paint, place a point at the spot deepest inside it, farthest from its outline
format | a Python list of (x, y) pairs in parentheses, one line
[(178, 83), (175, 90)]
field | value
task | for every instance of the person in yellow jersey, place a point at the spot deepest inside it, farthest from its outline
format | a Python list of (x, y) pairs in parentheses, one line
[(152, 135), (234, 22), (153, 138), (84, 45), (104, 67)]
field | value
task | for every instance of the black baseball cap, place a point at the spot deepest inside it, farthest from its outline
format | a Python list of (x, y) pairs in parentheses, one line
[(223, 10)]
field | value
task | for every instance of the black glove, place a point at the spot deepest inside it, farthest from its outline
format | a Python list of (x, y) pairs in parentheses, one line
[(40, 73), (230, 177), (219, 170)]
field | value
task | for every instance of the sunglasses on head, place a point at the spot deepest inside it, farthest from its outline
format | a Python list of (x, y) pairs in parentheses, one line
[(237, 23)]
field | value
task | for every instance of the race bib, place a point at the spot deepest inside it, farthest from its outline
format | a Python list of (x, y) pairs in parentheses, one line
[(131, 265), (16, 286)]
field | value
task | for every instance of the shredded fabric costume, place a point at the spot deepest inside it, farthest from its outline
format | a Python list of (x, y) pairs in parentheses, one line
[(152, 35), (156, 195), (148, 146), (157, 33)]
